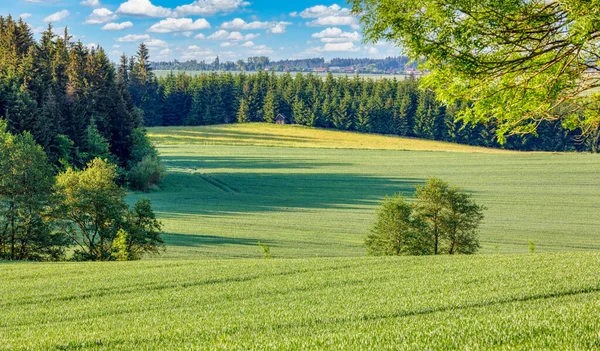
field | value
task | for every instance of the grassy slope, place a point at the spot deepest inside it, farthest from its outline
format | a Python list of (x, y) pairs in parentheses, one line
[(219, 200), (541, 301), (262, 134)]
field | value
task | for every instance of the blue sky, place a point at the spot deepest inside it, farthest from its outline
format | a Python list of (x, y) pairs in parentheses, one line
[(203, 29)]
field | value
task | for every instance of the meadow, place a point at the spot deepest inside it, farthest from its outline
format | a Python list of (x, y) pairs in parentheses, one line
[(309, 193), (539, 301)]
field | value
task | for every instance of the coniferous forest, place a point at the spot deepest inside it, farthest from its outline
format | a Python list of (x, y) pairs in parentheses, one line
[(385, 106)]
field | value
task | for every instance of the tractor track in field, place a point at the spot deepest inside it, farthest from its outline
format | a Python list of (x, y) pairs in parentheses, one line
[(221, 185)]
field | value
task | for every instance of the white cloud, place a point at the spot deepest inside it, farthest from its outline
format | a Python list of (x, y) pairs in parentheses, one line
[(142, 8), (271, 27), (165, 52), (210, 7), (92, 46), (134, 37), (195, 52), (262, 50), (170, 25), (25, 15), (336, 35), (333, 15), (99, 16), (57, 16), (156, 43), (227, 36), (337, 47), (248, 44), (91, 3), (228, 44), (117, 26), (200, 36), (334, 21), (116, 46)]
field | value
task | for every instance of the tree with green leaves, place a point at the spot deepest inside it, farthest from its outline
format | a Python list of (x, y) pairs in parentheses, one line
[(26, 224), (93, 211), (518, 62), (397, 231), (442, 220)]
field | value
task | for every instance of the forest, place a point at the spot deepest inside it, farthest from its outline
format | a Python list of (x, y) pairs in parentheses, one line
[(71, 140), (386, 106)]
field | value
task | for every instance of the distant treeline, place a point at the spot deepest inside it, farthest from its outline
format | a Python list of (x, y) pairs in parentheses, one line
[(396, 64), (386, 106)]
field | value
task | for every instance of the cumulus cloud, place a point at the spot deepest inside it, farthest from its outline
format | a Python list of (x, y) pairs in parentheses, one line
[(339, 47), (248, 44), (57, 16), (333, 15), (261, 50), (134, 37), (25, 15), (336, 35), (142, 8), (99, 16), (195, 52), (271, 27), (156, 43), (91, 3), (170, 25), (227, 36), (210, 7), (117, 26)]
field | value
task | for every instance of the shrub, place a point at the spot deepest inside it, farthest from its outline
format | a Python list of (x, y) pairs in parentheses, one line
[(146, 174)]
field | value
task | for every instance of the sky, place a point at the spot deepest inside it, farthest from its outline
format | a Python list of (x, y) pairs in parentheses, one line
[(202, 29)]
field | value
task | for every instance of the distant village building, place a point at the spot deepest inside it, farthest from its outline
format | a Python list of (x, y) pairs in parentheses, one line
[(320, 70), (280, 119)]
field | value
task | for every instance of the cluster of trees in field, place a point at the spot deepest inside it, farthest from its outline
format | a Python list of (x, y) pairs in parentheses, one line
[(71, 138), (442, 220), (73, 101), (257, 63), (42, 215), (386, 106)]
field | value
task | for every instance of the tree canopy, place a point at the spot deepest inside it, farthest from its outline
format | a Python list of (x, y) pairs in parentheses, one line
[(442, 220), (518, 62)]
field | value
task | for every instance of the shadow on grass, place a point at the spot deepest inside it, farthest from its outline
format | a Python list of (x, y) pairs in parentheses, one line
[(188, 240), (195, 163)]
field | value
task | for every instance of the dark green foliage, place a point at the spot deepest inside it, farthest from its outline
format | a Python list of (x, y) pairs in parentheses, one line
[(69, 97), (443, 220), (384, 106)]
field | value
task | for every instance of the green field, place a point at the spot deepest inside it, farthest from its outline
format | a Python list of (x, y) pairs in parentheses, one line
[(310, 193), (306, 193), (524, 302)]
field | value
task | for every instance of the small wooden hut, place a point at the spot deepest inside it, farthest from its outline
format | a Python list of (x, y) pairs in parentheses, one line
[(280, 119)]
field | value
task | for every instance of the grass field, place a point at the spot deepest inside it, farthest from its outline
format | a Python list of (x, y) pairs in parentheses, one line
[(516, 302), (308, 193)]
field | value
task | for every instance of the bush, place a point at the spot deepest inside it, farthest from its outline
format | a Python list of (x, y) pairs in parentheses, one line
[(146, 174)]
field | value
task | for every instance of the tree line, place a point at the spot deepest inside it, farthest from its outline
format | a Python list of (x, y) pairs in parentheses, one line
[(257, 63), (386, 106)]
